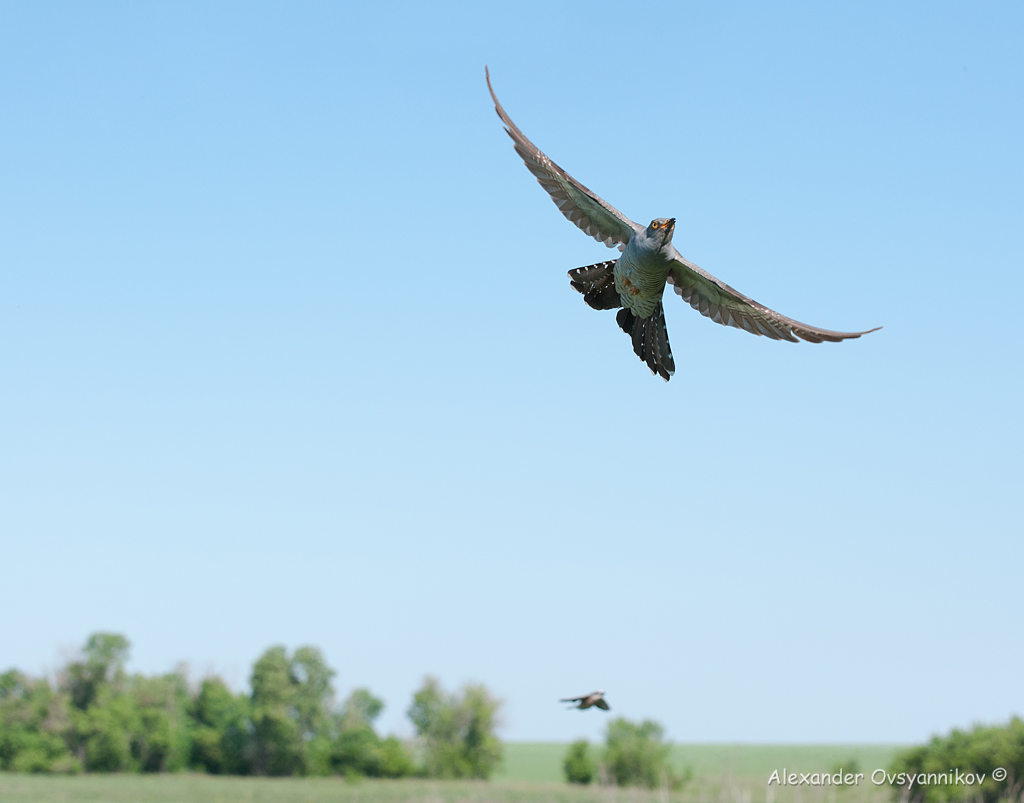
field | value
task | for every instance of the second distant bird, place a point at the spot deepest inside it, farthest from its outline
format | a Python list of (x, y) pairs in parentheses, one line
[(588, 700)]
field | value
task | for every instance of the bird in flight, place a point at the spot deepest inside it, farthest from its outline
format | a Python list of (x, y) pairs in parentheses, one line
[(588, 700), (636, 280)]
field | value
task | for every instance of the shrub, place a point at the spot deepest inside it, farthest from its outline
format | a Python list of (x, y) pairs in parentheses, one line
[(578, 766), (636, 755)]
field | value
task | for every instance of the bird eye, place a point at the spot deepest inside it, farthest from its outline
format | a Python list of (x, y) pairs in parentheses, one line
[(655, 224)]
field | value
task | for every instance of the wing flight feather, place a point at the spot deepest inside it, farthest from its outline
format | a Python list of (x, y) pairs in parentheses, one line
[(581, 206), (722, 304)]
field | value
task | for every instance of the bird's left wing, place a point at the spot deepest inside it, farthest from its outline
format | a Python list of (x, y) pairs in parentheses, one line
[(722, 304), (581, 206), (602, 704)]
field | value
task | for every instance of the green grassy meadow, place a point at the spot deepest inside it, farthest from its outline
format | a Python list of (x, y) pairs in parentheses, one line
[(531, 774), (542, 761)]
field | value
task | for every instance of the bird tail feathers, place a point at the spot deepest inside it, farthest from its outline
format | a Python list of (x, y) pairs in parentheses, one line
[(597, 283), (650, 339)]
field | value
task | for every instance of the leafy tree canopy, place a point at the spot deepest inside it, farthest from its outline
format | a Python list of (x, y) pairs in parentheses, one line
[(98, 718), (457, 730), (979, 751)]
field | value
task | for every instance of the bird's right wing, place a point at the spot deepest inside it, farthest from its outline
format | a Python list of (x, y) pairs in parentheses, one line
[(572, 700), (581, 206), (722, 304)]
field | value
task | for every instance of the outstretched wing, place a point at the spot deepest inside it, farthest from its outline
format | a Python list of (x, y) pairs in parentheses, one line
[(571, 700), (602, 705), (581, 206), (719, 302)]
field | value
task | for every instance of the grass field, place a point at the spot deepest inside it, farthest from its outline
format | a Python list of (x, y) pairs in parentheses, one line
[(543, 761), (531, 774)]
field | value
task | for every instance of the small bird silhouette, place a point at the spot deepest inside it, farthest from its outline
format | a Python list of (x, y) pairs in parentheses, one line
[(594, 698)]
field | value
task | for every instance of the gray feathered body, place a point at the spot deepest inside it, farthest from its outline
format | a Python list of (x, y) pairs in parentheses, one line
[(642, 271), (636, 282)]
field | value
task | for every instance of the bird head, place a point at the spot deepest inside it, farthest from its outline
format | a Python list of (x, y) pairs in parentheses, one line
[(659, 233), (663, 226)]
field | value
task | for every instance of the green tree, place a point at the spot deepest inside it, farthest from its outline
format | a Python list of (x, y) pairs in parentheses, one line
[(358, 750), (34, 725), (223, 738), (457, 730), (314, 694), (978, 751), (482, 748), (103, 716), (314, 708), (636, 755), (292, 701), (395, 760), (102, 734), (277, 737), (122, 723), (361, 708), (162, 738), (102, 664), (578, 766)]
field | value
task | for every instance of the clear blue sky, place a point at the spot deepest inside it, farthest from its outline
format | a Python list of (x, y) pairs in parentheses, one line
[(289, 355)]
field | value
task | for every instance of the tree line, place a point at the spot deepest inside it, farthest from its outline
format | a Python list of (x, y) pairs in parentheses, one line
[(95, 717)]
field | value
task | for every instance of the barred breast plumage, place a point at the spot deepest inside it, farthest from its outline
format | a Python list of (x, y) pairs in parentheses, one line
[(640, 277)]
